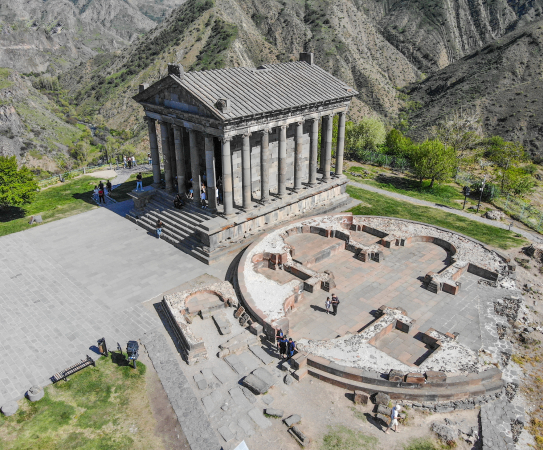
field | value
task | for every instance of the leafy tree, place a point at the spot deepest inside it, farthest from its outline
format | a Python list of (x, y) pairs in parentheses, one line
[(17, 186), (397, 144), (432, 160), (81, 153), (504, 155), (516, 181), (368, 134)]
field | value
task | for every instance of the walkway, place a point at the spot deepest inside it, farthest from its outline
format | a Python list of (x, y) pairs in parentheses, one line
[(532, 236)]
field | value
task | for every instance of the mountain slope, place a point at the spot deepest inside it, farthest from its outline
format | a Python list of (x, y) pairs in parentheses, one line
[(503, 82), (29, 127), (435, 33), (51, 35), (205, 34)]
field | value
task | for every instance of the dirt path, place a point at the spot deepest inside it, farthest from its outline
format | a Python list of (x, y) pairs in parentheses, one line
[(532, 236)]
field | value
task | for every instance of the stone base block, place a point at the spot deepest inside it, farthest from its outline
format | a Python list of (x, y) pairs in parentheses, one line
[(361, 398), (415, 377)]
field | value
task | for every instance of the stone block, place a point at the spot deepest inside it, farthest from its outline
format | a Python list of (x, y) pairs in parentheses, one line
[(35, 393), (385, 410), (267, 399), (300, 373), (382, 399), (395, 376), (265, 376), (226, 433), (297, 434), (255, 384), (383, 418), (298, 361), (256, 329), (360, 398), (415, 377), (239, 312), (274, 412), (292, 420), (10, 408), (436, 377), (288, 380)]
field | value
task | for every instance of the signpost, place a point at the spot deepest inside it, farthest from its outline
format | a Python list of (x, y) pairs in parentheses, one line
[(132, 350)]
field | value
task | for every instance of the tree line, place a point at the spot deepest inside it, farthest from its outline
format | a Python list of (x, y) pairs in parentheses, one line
[(455, 144)]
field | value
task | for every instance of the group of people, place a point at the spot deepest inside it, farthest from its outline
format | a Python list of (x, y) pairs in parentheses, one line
[(334, 303), (102, 190), (203, 191), (285, 346), (130, 161)]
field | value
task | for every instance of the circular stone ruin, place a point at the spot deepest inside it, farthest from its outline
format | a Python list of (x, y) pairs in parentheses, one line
[(417, 315)]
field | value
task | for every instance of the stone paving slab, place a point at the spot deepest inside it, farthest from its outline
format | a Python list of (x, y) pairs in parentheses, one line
[(191, 415), (261, 354)]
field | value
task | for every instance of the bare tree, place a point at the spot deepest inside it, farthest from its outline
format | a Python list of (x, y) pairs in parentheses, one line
[(462, 131)]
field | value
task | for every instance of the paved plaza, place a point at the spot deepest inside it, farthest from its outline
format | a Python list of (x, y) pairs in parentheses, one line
[(363, 287), (65, 284)]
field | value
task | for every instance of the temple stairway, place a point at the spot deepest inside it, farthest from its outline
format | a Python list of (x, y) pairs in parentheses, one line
[(179, 224)]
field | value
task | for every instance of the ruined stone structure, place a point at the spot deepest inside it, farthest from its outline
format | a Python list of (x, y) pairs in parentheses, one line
[(255, 134)]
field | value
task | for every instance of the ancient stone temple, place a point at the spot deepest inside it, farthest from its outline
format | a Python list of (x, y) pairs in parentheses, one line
[(251, 137)]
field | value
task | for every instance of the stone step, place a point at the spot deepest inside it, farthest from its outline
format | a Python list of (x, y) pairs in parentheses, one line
[(184, 220), (175, 234), (421, 394), (188, 209)]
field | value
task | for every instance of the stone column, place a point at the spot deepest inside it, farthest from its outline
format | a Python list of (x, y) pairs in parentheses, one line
[(328, 149), (282, 177), (298, 163), (324, 127), (166, 156), (210, 172), (173, 158), (228, 197), (180, 159), (313, 152), (246, 171), (265, 167), (340, 144), (155, 155), (195, 166)]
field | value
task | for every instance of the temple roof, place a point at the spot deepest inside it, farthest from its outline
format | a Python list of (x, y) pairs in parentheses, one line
[(271, 87)]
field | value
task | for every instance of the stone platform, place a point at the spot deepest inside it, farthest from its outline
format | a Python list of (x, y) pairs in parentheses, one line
[(410, 302), (212, 236)]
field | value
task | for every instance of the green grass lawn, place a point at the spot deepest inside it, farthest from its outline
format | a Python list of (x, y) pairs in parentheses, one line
[(445, 194), (63, 200), (102, 407), (381, 205)]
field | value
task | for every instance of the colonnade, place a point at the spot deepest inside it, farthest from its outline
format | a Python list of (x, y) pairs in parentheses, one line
[(174, 159)]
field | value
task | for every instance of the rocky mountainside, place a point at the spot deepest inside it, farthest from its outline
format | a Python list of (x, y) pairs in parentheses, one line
[(205, 34), (502, 82), (41, 35), (434, 33), (29, 127)]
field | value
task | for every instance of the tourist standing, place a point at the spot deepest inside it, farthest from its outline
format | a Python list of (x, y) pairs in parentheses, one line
[(283, 347), (139, 181), (327, 305), (394, 419), (291, 348), (109, 187), (278, 337), (335, 303), (149, 158), (134, 161), (124, 161), (95, 193), (101, 196), (203, 199), (159, 226)]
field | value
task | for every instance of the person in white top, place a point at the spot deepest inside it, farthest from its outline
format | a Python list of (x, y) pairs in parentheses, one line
[(134, 161), (394, 419)]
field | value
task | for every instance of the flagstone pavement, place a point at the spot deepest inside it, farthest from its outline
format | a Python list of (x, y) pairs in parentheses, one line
[(65, 284)]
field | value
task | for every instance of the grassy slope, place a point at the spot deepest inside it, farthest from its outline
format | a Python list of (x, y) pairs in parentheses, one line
[(95, 409), (380, 205)]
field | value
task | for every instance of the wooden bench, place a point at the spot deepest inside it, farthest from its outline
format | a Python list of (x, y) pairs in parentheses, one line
[(64, 374)]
